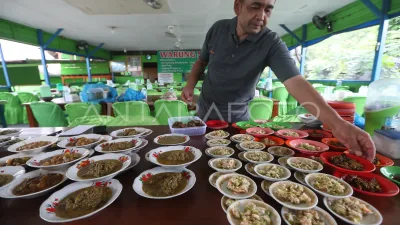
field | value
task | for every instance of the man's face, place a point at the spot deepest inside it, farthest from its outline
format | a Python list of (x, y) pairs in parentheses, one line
[(253, 15)]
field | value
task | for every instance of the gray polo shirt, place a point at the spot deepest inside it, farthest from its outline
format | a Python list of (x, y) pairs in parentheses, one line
[(234, 69)]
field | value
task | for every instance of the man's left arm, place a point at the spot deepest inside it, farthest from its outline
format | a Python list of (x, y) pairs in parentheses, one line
[(283, 65)]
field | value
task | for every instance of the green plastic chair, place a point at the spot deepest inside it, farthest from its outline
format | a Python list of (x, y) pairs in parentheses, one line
[(320, 89), (13, 110), (359, 101), (81, 109), (26, 97), (150, 91), (260, 109), (281, 94), (92, 120), (341, 88), (165, 109), (278, 84), (196, 91), (131, 108), (133, 121), (48, 114), (121, 90), (291, 103)]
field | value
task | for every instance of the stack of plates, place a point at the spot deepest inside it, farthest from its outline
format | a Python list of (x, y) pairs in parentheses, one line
[(345, 109)]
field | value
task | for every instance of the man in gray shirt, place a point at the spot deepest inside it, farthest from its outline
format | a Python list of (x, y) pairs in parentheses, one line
[(236, 52)]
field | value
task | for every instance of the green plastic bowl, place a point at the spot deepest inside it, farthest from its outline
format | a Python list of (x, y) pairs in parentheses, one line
[(390, 171), (273, 125), (246, 124)]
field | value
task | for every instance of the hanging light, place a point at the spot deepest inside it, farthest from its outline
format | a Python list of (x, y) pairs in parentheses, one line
[(153, 4)]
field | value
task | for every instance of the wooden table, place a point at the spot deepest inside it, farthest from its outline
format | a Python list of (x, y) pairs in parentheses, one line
[(2, 113), (201, 205)]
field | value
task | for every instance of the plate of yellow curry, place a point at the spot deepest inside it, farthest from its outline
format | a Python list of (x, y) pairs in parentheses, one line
[(174, 156), (98, 168), (163, 183)]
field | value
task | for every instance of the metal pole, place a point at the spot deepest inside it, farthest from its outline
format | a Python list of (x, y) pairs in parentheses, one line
[(88, 69), (5, 71), (303, 51), (43, 58), (381, 42)]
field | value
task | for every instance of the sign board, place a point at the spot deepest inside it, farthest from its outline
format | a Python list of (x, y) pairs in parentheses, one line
[(165, 78), (176, 61)]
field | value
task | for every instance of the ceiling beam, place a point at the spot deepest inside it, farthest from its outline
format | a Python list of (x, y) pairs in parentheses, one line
[(51, 39), (371, 6), (95, 50), (290, 32)]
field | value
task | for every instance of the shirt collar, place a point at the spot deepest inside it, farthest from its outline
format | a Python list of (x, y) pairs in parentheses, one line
[(250, 37)]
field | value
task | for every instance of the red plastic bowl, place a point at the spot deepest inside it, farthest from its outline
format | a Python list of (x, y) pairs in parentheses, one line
[(389, 189), (266, 130), (333, 147), (368, 166), (295, 143), (277, 140), (341, 105), (322, 134), (384, 161), (302, 134), (217, 124)]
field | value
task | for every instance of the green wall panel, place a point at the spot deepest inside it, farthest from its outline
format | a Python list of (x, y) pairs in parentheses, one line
[(28, 75), (79, 68), (20, 33)]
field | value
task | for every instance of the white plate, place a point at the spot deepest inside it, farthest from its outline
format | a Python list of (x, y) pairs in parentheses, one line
[(142, 132), (266, 190), (34, 162), (302, 206), (5, 142), (251, 138), (99, 138), (99, 148), (187, 138), (9, 143), (153, 154), (283, 162), (4, 159), (46, 210), (372, 219), (208, 151), (13, 148), (107, 137), (246, 167), (286, 175), (212, 164), (301, 180), (15, 171), (275, 218), (294, 159), (222, 182), (210, 137), (144, 144), (212, 142), (238, 147), (241, 157), (135, 159), (213, 177), (18, 131), (248, 149), (246, 155), (72, 172), (138, 185), (347, 192), (326, 217), (224, 199), (272, 150), (7, 193)]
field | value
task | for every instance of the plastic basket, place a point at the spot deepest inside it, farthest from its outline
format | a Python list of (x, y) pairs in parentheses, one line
[(190, 131)]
